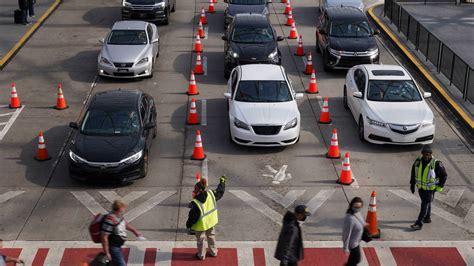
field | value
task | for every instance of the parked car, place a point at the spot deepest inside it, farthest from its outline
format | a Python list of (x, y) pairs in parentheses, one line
[(262, 106), (250, 39), (148, 10), (323, 4), (345, 38), (388, 106), (113, 139), (235, 7), (130, 50)]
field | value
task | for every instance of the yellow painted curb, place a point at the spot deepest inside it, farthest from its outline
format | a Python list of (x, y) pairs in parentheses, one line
[(28, 34), (465, 117)]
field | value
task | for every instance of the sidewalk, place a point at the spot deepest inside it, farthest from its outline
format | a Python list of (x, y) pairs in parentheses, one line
[(13, 36)]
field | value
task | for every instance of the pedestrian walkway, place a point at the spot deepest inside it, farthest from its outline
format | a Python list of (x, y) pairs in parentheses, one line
[(248, 253)]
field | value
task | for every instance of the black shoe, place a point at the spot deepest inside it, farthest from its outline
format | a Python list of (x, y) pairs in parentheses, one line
[(427, 220), (26, 23), (416, 226), (199, 257)]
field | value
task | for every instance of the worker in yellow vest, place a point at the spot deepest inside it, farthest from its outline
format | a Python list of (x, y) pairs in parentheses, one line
[(203, 216), (429, 176)]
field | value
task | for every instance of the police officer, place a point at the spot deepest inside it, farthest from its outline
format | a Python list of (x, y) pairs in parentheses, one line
[(429, 176), (203, 216)]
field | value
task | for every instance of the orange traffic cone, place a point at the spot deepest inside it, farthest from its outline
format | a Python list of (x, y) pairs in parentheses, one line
[(198, 67), (198, 153), (309, 65), (313, 86), (42, 152), (290, 19), (293, 33), (333, 151), (192, 88), (283, 1), (372, 217), (197, 44), (300, 50), (193, 116), (324, 117), (203, 16), (346, 174), (211, 9), (14, 99), (60, 101), (201, 32), (214, 1), (287, 8)]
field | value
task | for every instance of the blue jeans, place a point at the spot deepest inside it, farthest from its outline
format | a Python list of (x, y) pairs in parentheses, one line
[(117, 256)]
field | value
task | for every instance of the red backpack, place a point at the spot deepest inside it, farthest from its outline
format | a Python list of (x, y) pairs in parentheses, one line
[(95, 227)]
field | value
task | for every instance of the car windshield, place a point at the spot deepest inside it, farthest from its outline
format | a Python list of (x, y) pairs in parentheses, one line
[(128, 37), (263, 91), (393, 91), (110, 122), (350, 29), (252, 35), (247, 2)]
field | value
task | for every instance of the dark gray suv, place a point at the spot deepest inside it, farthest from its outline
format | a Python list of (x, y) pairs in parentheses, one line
[(235, 7), (148, 10)]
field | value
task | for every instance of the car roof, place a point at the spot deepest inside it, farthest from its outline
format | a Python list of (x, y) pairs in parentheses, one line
[(344, 3), (345, 13), (251, 20), (115, 99), (386, 72), (130, 25), (262, 72)]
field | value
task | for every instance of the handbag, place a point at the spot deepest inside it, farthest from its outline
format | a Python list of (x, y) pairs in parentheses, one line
[(366, 236)]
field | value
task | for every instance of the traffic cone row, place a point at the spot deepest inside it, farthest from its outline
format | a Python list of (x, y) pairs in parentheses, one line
[(16, 103)]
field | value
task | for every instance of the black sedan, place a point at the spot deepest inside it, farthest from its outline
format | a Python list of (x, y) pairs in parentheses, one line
[(114, 137)]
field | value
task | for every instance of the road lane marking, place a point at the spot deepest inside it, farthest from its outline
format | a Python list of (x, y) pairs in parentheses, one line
[(317, 201), (10, 122), (205, 170), (451, 198), (89, 202), (164, 255), (385, 256), (285, 201), (206, 32), (55, 255), (147, 205), (136, 256), (204, 112), (258, 205), (434, 209), (245, 256), (320, 101), (278, 175), (3, 123), (6, 114), (467, 253), (204, 65), (9, 195), (469, 218), (129, 198)]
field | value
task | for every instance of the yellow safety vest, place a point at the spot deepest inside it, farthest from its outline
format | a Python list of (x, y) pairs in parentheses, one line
[(208, 209), (426, 178)]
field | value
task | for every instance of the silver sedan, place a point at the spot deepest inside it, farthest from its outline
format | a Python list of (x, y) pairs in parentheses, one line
[(129, 50)]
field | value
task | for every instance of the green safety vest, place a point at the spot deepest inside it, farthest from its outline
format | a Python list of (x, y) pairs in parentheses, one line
[(426, 178), (208, 209)]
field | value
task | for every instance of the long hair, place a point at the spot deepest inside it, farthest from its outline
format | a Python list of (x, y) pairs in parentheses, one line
[(353, 201)]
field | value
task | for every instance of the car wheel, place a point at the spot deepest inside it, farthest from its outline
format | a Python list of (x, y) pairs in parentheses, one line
[(344, 99), (317, 46), (361, 129), (326, 62), (144, 170), (174, 8)]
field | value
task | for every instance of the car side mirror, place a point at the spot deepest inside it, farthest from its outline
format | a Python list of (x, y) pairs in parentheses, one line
[(323, 32), (154, 40), (227, 95), (149, 125), (357, 94), (426, 95), (299, 96), (280, 38), (73, 125), (224, 38), (101, 40)]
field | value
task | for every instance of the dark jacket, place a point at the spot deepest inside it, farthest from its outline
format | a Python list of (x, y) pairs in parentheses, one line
[(23, 4), (290, 242), (195, 213), (440, 172)]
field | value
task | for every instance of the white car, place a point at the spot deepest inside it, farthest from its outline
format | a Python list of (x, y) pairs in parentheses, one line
[(388, 105), (262, 106)]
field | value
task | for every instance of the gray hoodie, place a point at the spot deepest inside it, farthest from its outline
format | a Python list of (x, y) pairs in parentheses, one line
[(352, 230)]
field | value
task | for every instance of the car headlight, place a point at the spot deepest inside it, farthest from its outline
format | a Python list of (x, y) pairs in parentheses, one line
[(143, 61), (104, 60), (126, 4), (291, 124), (131, 159), (232, 53), (427, 123), (273, 55), (373, 53), (335, 52), (76, 158), (241, 124), (375, 122)]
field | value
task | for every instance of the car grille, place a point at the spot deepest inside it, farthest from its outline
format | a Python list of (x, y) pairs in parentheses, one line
[(266, 130), (124, 74), (142, 7), (404, 129), (123, 64)]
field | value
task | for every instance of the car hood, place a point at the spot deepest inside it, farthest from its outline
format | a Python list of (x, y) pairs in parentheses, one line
[(265, 113), (105, 148), (253, 50), (232, 10), (124, 53), (353, 44), (400, 113), (347, 3)]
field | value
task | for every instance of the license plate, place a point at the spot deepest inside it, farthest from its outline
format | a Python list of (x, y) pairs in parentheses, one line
[(122, 70)]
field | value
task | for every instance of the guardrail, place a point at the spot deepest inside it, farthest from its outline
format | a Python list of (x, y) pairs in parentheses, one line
[(456, 70)]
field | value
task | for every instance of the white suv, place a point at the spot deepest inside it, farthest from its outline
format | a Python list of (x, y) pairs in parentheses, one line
[(262, 106)]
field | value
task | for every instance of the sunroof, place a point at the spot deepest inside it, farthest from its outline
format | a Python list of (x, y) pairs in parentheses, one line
[(388, 73)]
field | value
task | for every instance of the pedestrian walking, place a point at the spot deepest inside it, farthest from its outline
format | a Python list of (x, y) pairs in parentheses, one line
[(23, 5), (203, 216), (5, 259), (114, 233), (289, 248), (353, 230), (429, 176), (31, 8)]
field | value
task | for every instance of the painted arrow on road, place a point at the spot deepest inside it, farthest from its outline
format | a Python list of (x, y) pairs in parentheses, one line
[(286, 200)]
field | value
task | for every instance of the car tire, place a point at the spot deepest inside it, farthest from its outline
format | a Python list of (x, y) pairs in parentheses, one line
[(318, 51), (361, 129), (344, 99), (144, 169), (326, 66)]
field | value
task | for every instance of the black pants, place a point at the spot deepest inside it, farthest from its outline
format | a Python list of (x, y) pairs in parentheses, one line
[(290, 264), (426, 197), (24, 16), (354, 257)]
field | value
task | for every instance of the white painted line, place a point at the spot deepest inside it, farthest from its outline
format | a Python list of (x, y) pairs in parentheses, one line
[(320, 101), (355, 184), (317, 201), (206, 32), (385, 256), (3, 123), (28, 254), (9, 195), (204, 65), (89, 202), (164, 255), (7, 114), (129, 198), (467, 253), (436, 210), (245, 256), (285, 201), (469, 218), (204, 112), (136, 256), (147, 205), (269, 255), (451, 198), (10, 122), (258, 205), (54, 256), (278, 175), (304, 60), (205, 170)]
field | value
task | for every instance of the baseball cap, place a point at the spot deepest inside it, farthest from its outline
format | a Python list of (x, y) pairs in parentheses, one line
[(426, 149), (302, 209)]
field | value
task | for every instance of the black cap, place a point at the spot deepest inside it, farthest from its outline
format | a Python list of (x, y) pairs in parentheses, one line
[(426, 149), (302, 209)]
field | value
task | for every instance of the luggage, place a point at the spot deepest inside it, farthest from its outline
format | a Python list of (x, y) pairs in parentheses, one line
[(18, 16), (94, 227)]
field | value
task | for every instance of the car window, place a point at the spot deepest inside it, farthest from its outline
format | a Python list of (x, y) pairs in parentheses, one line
[(393, 91), (360, 79), (247, 2), (350, 29), (110, 122), (143, 109), (252, 35), (150, 33), (128, 37), (263, 91)]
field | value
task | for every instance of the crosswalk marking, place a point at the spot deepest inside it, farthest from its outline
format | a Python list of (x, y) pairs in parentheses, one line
[(129, 198), (285, 201), (317, 201), (7, 125), (9, 195), (258, 205)]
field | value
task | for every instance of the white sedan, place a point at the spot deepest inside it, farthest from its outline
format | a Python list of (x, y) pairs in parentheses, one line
[(388, 105), (262, 106)]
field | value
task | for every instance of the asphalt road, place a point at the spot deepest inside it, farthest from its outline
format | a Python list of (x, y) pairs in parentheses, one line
[(40, 202)]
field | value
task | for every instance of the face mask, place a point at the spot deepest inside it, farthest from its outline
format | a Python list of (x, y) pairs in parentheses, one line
[(355, 210)]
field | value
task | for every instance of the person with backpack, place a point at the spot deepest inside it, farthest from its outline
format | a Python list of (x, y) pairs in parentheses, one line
[(114, 233), (352, 231)]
